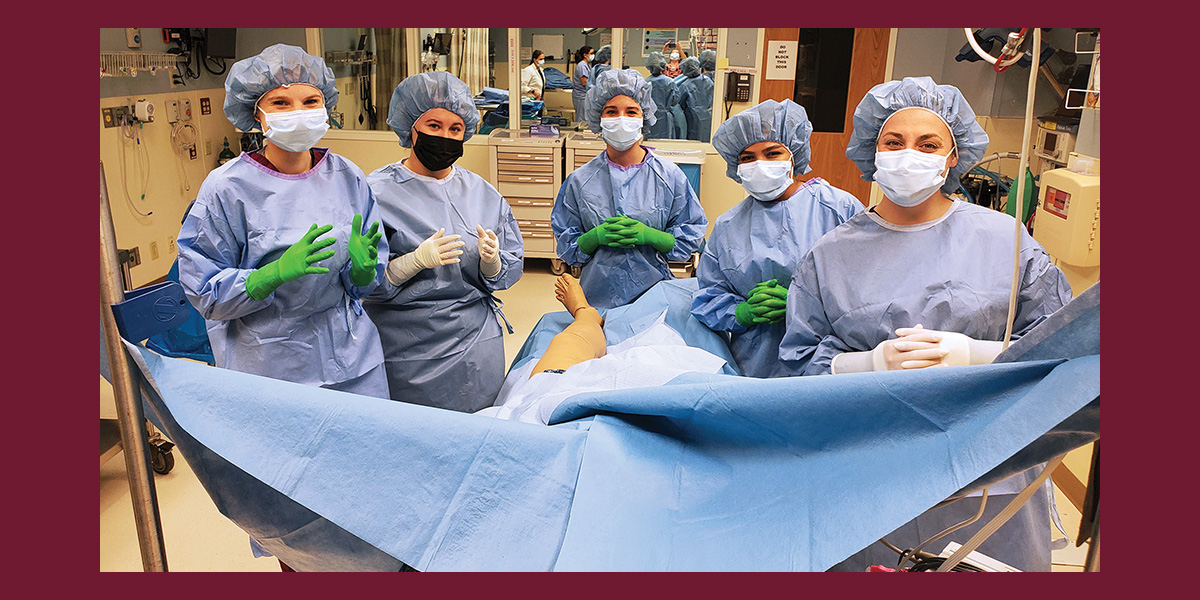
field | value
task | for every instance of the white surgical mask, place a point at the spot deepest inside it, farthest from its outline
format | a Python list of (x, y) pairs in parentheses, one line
[(621, 132), (765, 179), (296, 130), (541, 61), (909, 177), (674, 56)]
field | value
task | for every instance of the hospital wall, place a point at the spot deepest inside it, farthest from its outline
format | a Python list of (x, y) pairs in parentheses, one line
[(174, 180)]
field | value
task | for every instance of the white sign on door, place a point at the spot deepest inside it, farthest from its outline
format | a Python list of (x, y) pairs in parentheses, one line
[(781, 60)]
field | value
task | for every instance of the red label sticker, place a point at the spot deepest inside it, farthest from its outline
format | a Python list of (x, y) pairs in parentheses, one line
[(1057, 202)]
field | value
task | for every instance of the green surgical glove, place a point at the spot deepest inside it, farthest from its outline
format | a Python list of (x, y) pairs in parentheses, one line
[(296, 262), (606, 234), (634, 232), (767, 304), (364, 252)]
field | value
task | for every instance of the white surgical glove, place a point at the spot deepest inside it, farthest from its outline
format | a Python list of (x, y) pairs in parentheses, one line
[(918, 348), (489, 252), (437, 250)]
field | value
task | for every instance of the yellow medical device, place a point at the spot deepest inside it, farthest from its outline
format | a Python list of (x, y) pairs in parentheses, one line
[(1067, 222)]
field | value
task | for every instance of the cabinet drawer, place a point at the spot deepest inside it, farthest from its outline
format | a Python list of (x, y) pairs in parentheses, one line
[(532, 213), (546, 156), (527, 190), (503, 177), (534, 226), (504, 167), (537, 241)]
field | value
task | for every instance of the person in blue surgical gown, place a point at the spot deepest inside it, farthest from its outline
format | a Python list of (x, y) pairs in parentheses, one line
[(663, 92), (274, 253), (267, 251), (602, 63), (748, 261), (580, 79), (625, 213), (695, 98), (922, 280), (453, 243), (708, 64)]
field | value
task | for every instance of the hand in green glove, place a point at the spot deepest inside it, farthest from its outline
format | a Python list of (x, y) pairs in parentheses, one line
[(296, 262), (605, 234), (364, 252), (637, 233), (767, 303)]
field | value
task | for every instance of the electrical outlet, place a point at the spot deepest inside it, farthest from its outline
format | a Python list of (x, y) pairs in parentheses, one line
[(120, 114), (109, 119), (172, 111), (185, 109), (205, 106), (153, 250), (192, 153), (171, 245), (208, 147)]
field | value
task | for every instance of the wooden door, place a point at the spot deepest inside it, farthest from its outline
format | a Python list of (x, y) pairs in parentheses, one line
[(829, 160)]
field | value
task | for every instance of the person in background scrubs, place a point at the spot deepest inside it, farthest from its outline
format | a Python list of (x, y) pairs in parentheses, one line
[(922, 280), (748, 261), (453, 243), (663, 92), (695, 95), (602, 63), (579, 83), (275, 253), (625, 213), (708, 63)]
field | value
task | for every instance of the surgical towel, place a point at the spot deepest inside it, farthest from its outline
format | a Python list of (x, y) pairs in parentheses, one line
[(709, 472)]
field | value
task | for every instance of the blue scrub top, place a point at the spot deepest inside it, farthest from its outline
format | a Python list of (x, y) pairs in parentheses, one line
[(312, 330), (868, 277), (655, 192), (758, 241)]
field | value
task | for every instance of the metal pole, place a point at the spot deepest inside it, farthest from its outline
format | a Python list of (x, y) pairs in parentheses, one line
[(130, 417), (1092, 563)]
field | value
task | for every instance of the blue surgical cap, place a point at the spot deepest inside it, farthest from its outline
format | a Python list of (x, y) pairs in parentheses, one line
[(655, 63), (614, 82), (690, 67), (943, 100), (708, 60), (420, 93), (604, 54), (275, 66), (784, 122)]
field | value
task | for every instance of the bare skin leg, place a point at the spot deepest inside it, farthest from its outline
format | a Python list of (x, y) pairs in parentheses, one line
[(581, 340)]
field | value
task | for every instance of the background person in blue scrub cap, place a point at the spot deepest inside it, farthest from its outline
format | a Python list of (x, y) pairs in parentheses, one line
[(602, 63), (695, 97), (579, 82), (626, 212), (708, 63), (748, 261), (275, 253), (453, 243), (663, 96), (923, 281)]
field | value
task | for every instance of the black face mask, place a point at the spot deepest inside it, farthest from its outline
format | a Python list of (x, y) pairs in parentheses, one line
[(435, 152)]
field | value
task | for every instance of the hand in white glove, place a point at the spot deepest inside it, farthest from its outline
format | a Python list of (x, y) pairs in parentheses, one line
[(916, 348), (960, 349), (436, 250), (489, 251)]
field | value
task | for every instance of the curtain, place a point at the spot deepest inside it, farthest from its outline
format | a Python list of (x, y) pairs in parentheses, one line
[(473, 68), (391, 68)]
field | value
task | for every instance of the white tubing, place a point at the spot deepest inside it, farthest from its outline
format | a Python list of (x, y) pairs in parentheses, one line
[(1016, 272)]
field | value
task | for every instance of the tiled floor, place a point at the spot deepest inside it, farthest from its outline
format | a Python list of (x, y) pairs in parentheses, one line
[(198, 538)]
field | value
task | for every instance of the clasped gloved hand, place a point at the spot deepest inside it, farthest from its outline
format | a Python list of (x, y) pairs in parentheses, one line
[(436, 250), (296, 262), (637, 233), (605, 234), (767, 303), (364, 252)]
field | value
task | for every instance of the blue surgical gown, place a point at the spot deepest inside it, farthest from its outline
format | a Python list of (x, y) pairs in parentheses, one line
[(311, 330), (579, 90), (442, 342), (758, 241), (679, 118), (662, 90), (695, 97), (655, 192), (868, 277), (863, 280)]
